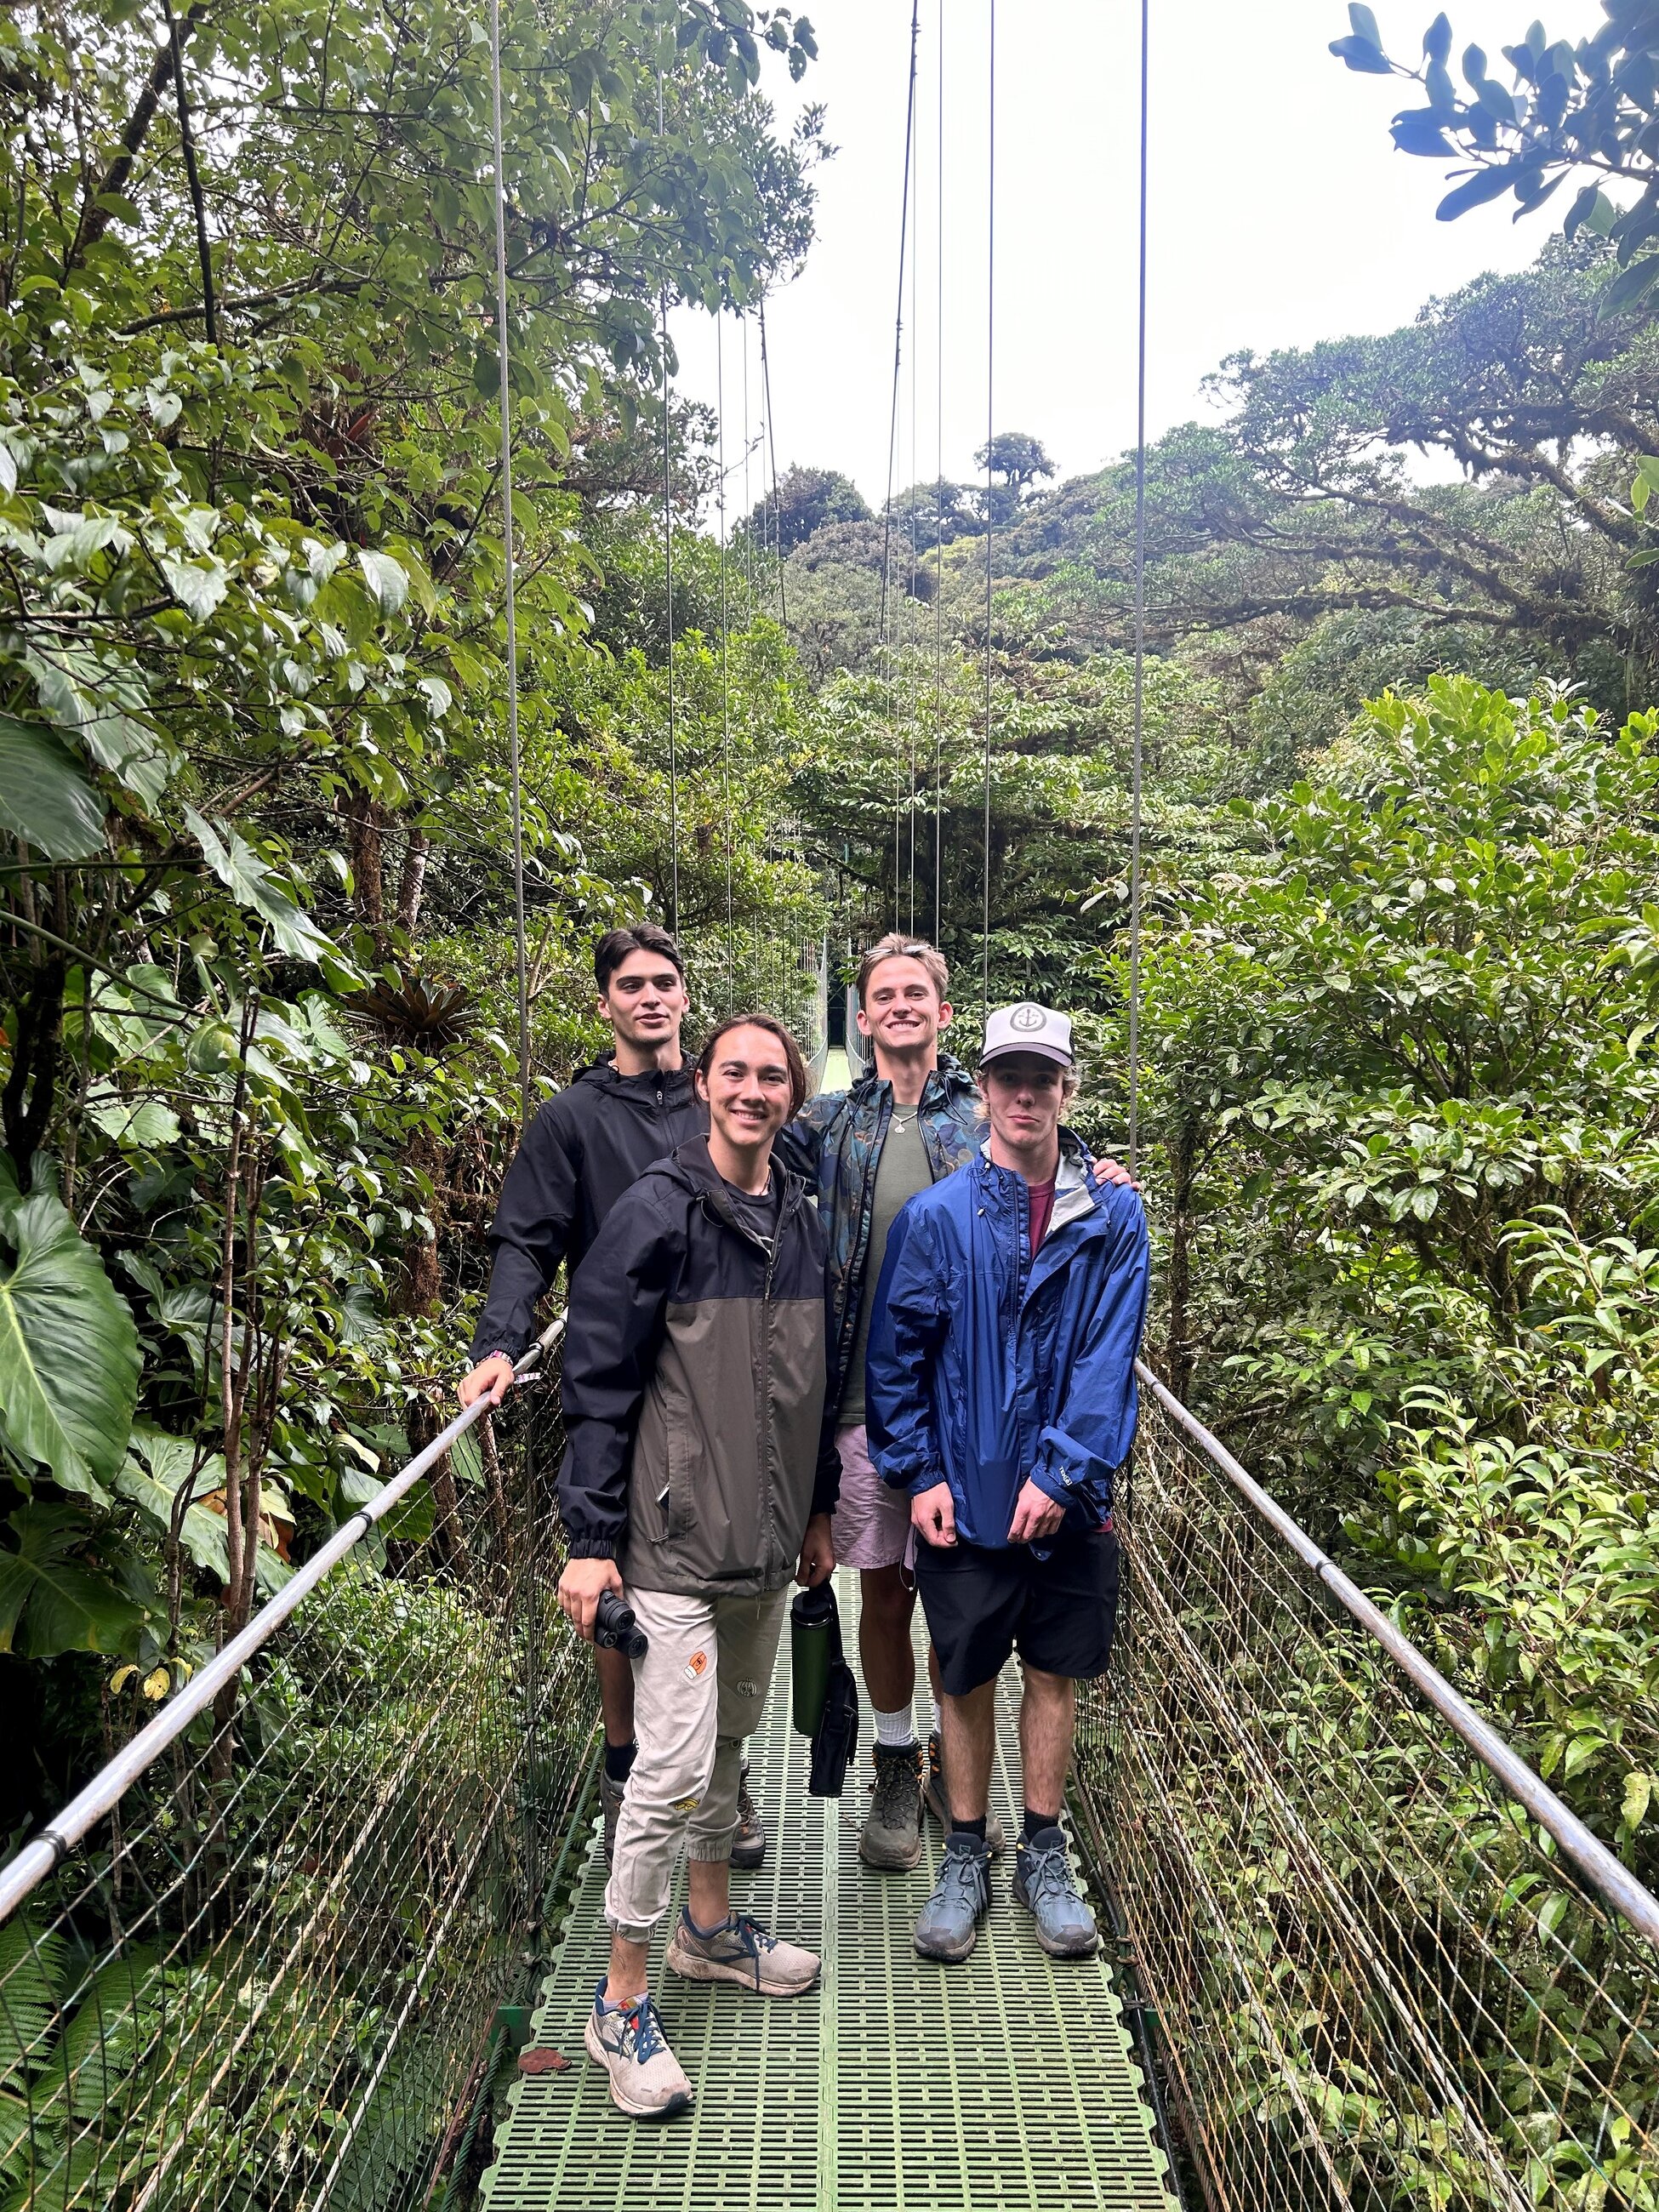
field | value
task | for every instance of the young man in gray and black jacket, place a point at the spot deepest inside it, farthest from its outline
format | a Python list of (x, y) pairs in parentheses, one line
[(700, 1475), (589, 1143)]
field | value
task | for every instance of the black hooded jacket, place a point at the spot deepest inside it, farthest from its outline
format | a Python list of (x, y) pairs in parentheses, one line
[(699, 1436), (582, 1151)]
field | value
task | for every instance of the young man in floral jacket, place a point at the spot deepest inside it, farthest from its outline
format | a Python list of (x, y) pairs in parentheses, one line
[(899, 1130)]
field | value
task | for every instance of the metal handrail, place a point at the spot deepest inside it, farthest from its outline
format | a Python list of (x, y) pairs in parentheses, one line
[(46, 1852), (1607, 1875)]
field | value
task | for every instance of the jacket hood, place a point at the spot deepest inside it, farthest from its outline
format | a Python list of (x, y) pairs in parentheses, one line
[(603, 1071), (690, 1167)]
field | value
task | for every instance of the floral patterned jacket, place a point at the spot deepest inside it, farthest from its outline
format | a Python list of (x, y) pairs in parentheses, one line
[(835, 1144)]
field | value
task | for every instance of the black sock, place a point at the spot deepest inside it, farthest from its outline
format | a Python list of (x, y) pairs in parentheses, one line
[(1033, 1822), (619, 1760), (974, 1828)]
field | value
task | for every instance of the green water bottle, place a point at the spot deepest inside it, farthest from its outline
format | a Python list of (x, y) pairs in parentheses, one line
[(814, 1638)]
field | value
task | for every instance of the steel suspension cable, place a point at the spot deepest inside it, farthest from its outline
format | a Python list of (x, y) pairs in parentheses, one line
[(772, 449), (990, 508), (939, 531), (509, 558), (668, 564), (748, 448), (725, 642), (892, 446), (915, 470), (1140, 615)]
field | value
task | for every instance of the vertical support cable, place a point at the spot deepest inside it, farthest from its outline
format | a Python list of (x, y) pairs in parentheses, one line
[(939, 533), (990, 434), (748, 448), (892, 452), (510, 559), (726, 676), (772, 449), (915, 471), (1140, 623), (668, 561)]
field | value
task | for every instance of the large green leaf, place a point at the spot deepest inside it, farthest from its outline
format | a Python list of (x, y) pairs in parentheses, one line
[(43, 798), (156, 1467), (69, 1351), (251, 884), (49, 1600)]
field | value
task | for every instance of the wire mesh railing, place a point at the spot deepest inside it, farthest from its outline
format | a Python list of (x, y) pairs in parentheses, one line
[(1376, 1977), (265, 1976)]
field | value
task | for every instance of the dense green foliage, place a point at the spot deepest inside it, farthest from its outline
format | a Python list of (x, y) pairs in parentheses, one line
[(256, 951), (257, 943)]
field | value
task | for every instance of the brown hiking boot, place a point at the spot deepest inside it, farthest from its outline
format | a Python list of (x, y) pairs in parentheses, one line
[(891, 1838)]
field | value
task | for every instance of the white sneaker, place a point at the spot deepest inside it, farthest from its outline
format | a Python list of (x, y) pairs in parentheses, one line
[(646, 2081), (741, 1950)]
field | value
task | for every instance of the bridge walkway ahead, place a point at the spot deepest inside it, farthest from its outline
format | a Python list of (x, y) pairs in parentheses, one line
[(1005, 2084)]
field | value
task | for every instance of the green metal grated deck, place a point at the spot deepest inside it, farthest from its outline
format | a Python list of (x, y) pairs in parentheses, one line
[(1005, 2083)]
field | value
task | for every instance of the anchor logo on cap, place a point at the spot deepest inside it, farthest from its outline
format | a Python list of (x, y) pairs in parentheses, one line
[(1027, 1018)]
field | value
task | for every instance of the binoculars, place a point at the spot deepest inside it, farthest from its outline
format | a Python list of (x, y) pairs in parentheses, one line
[(615, 1628)]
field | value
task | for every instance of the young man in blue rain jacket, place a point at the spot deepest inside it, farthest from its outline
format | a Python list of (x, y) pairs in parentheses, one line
[(1000, 1394)]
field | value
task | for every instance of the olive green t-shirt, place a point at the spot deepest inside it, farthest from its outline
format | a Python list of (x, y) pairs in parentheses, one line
[(901, 1172)]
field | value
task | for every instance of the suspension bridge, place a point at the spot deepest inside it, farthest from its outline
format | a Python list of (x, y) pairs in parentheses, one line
[(331, 1944), (322, 1934)]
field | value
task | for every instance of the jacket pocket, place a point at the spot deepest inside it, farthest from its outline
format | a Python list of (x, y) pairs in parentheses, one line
[(682, 1481)]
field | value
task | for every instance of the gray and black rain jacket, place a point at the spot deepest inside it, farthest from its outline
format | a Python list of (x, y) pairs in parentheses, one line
[(587, 1145), (696, 1367)]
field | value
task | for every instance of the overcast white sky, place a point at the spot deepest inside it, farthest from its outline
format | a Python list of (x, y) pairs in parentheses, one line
[(1280, 215)]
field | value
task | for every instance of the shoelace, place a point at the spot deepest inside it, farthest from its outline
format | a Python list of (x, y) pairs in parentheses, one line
[(750, 1938), (1048, 1874), (643, 2023), (962, 1872), (894, 1779)]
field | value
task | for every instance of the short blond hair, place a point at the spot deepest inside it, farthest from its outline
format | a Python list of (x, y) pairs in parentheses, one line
[(896, 945)]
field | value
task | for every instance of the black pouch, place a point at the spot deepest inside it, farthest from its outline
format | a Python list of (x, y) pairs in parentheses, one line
[(835, 1737)]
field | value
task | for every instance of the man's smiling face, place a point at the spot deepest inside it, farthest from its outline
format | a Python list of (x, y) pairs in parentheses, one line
[(645, 1001), (902, 1010)]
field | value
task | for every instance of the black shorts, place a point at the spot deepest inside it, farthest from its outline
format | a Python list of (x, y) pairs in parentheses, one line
[(1058, 1612)]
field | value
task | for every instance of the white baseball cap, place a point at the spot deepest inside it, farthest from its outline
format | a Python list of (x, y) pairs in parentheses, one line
[(1028, 1028)]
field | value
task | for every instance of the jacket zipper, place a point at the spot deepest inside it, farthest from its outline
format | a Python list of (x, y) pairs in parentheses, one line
[(765, 1379), (770, 1255)]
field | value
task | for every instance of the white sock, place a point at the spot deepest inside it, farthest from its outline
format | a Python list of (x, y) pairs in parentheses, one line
[(897, 1730)]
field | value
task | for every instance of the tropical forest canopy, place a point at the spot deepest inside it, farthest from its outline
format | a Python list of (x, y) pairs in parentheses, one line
[(1400, 1091)]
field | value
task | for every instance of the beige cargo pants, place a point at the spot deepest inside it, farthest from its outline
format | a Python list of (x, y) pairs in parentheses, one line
[(697, 1692)]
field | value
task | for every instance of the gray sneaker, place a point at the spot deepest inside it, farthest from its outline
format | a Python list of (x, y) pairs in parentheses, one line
[(610, 1797), (933, 1796), (646, 2080), (948, 1927), (742, 1951), (748, 1844), (891, 1838), (1043, 1884)]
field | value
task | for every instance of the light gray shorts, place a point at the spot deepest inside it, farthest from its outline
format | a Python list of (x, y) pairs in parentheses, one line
[(872, 1521)]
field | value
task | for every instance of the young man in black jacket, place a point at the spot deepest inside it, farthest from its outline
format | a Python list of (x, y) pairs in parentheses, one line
[(699, 1473), (583, 1150)]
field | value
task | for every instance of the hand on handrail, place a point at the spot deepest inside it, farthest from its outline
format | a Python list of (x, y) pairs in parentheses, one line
[(493, 1375)]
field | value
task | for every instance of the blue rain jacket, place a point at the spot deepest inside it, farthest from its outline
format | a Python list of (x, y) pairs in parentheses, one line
[(987, 1366)]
